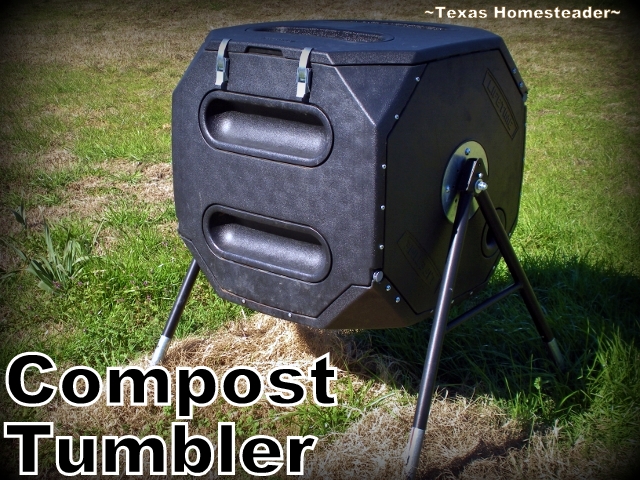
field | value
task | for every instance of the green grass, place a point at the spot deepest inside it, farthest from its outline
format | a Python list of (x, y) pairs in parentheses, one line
[(595, 315), (353, 402), (116, 309), (577, 236)]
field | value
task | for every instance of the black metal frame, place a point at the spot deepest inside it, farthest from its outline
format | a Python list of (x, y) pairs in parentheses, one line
[(471, 184), (176, 312)]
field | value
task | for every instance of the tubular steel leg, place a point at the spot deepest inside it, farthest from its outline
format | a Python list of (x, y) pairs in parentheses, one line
[(438, 330), (176, 312), (470, 185), (520, 277)]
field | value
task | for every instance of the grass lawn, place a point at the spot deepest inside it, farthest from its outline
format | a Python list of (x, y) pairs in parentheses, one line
[(86, 182)]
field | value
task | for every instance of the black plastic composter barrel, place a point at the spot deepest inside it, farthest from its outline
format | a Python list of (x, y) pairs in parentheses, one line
[(313, 164)]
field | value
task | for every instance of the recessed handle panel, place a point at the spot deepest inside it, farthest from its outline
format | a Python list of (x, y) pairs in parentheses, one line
[(278, 130), (285, 248)]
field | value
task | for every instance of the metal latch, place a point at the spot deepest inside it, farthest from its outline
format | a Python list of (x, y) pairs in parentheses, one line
[(304, 74), (222, 63)]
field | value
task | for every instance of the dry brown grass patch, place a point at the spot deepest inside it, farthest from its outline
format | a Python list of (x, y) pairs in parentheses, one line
[(462, 435), (55, 159), (154, 184), (90, 196), (260, 341), (465, 439), (461, 432)]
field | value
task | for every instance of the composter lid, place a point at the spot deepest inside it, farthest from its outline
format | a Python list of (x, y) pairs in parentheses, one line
[(356, 42)]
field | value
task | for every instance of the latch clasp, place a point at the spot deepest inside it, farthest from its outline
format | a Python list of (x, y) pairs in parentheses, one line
[(304, 74), (222, 64)]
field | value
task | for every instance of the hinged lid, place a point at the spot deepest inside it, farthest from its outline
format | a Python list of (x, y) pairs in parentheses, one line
[(356, 42)]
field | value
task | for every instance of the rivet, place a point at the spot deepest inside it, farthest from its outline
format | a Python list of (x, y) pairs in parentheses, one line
[(521, 84), (480, 175), (514, 70), (381, 247), (289, 315), (417, 79), (378, 275), (397, 299), (447, 189), (396, 116), (384, 166), (382, 207), (467, 151), (387, 288), (244, 301)]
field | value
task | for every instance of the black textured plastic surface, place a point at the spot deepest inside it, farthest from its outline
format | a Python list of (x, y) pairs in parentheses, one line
[(443, 114), (280, 200)]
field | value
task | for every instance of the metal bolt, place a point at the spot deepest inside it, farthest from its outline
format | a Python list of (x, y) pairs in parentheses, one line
[(396, 116), (384, 166), (467, 151), (417, 79), (481, 186), (514, 70), (378, 276), (387, 288), (381, 247), (382, 207), (397, 299)]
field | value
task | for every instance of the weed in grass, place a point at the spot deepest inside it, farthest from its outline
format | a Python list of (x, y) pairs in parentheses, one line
[(20, 215), (56, 271), (9, 273)]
